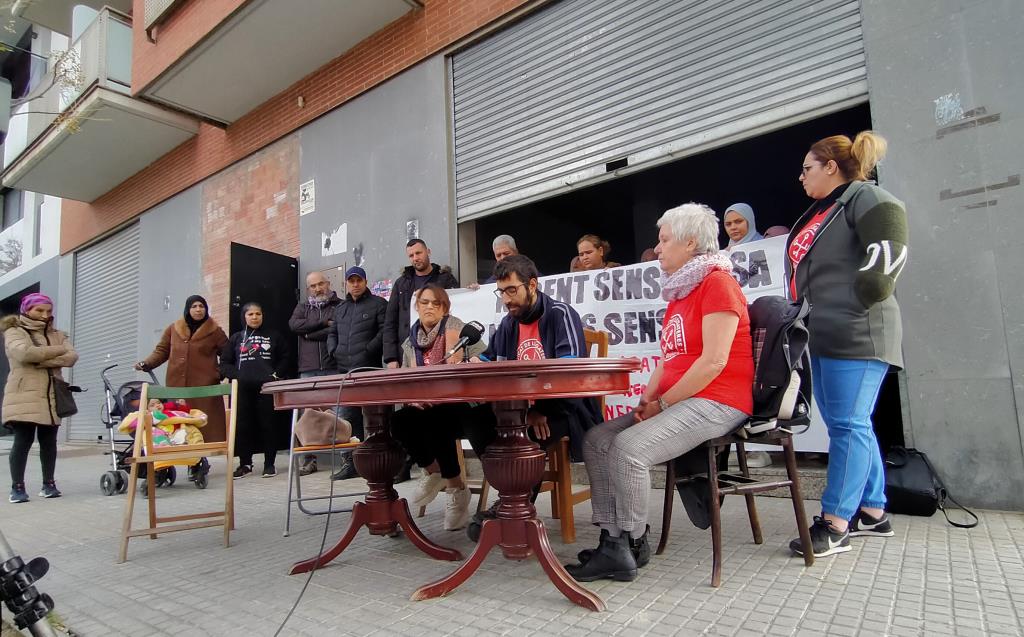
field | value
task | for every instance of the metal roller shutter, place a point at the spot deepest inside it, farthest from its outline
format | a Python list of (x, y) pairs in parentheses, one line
[(105, 323), (545, 104)]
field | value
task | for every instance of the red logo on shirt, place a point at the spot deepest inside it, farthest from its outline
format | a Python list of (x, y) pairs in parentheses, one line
[(530, 350), (673, 337), (529, 346)]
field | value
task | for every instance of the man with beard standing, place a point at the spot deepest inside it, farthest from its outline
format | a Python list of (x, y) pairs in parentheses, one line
[(311, 321)]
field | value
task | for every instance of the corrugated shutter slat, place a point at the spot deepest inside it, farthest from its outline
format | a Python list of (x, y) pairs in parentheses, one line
[(105, 324), (549, 101)]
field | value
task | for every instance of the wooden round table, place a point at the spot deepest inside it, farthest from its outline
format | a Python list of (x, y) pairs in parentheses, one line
[(513, 464)]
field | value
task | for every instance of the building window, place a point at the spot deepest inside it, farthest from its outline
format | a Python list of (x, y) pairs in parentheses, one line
[(37, 225), (12, 207)]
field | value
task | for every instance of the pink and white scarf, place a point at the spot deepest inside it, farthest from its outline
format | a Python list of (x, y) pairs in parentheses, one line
[(680, 283)]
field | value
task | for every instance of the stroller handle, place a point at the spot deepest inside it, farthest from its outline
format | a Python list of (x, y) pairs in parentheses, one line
[(103, 374)]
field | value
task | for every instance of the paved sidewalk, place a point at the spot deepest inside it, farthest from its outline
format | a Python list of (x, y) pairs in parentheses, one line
[(931, 579)]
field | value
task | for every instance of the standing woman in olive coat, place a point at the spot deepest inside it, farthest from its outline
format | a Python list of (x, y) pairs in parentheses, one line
[(37, 352), (190, 346)]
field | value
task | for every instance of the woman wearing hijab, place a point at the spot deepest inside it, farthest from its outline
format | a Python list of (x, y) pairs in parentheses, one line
[(36, 352), (740, 224), (255, 355), (190, 346)]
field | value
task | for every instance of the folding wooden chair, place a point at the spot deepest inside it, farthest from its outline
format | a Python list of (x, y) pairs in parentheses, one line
[(558, 476), (295, 453), (145, 453)]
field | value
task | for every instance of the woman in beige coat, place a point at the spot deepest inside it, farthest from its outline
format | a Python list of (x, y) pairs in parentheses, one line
[(190, 346), (36, 352)]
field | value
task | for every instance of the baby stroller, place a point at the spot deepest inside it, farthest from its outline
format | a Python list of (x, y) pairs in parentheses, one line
[(117, 405)]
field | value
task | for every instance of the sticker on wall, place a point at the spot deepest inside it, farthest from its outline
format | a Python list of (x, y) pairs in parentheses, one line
[(382, 288), (335, 241), (412, 229), (307, 198)]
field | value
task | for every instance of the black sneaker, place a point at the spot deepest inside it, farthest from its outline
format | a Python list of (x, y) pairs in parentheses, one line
[(18, 493), (308, 466), (49, 490), (242, 471), (269, 471), (347, 470), (863, 525), (476, 523), (825, 540)]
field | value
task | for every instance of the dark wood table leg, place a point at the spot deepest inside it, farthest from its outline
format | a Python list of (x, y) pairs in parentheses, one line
[(513, 464), (378, 459)]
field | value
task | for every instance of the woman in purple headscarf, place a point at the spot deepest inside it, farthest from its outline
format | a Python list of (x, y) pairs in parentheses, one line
[(36, 352)]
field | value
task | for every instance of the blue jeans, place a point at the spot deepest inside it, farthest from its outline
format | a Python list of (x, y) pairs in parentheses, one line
[(845, 392)]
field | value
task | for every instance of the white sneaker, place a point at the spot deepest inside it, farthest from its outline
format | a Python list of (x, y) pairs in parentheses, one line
[(456, 511), (427, 488), (758, 459)]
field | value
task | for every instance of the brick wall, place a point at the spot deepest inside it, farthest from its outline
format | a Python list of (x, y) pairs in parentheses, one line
[(255, 203), (410, 39)]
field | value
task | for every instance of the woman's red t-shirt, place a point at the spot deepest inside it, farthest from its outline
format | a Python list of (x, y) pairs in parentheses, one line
[(682, 341), (802, 243)]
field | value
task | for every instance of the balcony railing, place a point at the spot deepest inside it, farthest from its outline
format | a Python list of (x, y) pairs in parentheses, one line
[(101, 56)]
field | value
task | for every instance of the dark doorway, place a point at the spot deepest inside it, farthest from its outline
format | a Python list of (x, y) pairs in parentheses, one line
[(267, 278)]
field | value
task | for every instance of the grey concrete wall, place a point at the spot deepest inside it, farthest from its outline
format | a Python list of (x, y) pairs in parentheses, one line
[(378, 162), (170, 265), (933, 65)]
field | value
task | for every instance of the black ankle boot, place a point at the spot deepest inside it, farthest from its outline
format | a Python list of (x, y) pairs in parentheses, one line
[(640, 548), (612, 560)]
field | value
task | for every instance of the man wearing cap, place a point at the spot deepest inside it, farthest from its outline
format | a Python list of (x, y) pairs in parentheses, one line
[(355, 339)]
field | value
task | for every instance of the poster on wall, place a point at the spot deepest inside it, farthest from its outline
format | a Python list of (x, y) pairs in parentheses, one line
[(626, 302), (307, 197), (335, 241)]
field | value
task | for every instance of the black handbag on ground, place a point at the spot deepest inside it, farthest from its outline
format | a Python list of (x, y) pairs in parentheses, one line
[(912, 487)]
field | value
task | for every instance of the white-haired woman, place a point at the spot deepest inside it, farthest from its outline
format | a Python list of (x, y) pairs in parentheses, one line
[(701, 390)]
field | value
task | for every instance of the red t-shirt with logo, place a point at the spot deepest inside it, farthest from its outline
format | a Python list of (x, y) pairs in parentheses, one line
[(682, 341), (802, 243), (530, 348)]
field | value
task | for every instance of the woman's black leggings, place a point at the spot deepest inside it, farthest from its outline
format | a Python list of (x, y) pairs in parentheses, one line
[(24, 432), (255, 422)]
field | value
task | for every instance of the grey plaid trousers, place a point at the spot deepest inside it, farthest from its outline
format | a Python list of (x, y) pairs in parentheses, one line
[(619, 454)]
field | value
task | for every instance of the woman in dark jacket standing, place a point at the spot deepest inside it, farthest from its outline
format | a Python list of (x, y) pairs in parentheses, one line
[(844, 255), (254, 356), (190, 346)]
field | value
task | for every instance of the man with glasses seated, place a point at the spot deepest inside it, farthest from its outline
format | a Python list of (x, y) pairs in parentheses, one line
[(536, 327)]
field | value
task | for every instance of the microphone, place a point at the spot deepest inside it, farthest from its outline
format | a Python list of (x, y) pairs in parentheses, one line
[(470, 335)]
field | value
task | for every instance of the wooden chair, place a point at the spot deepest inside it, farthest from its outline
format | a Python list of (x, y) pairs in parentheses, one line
[(296, 452), (145, 453), (729, 483), (476, 486), (558, 476)]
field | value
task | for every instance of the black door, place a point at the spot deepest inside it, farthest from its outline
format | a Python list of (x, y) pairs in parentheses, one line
[(268, 278)]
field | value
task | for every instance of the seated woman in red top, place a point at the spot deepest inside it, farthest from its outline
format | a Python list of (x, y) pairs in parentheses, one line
[(701, 390)]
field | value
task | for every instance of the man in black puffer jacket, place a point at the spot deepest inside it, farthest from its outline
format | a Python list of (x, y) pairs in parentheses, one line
[(415, 276), (354, 340)]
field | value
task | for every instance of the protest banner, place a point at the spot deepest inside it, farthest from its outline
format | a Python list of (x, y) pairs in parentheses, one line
[(626, 302)]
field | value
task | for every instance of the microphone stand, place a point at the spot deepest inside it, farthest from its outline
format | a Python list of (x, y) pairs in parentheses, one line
[(18, 591)]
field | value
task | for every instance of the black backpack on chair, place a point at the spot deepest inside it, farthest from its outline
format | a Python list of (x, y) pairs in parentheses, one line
[(782, 364)]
